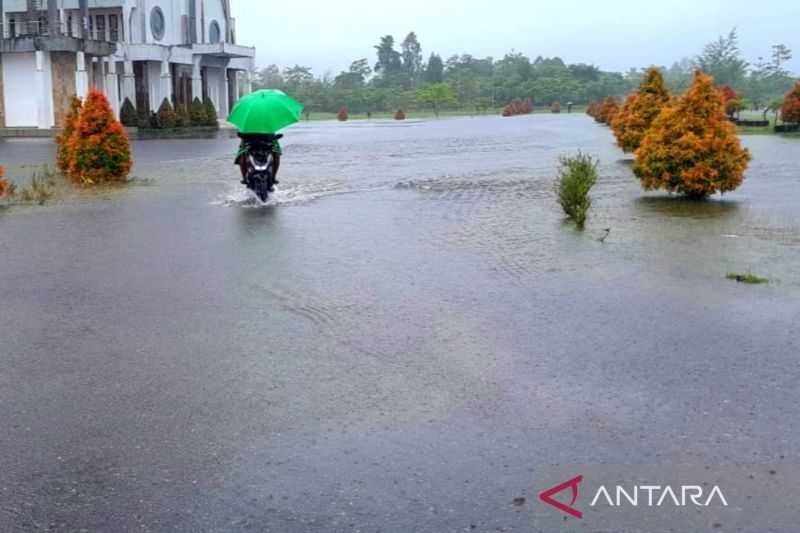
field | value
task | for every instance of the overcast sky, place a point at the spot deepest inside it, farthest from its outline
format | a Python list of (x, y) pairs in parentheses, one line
[(615, 34)]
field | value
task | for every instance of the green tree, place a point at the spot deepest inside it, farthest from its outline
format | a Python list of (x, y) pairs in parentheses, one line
[(412, 58), (390, 65), (434, 70), (723, 60), (355, 77), (436, 96), (269, 78)]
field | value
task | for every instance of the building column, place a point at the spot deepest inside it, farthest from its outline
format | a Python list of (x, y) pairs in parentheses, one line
[(234, 86), (44, 107), (223, 110), (197, 79), (98, 80), (248, 82), (81, 76), (112, 85), (166, 84), (129, 83)]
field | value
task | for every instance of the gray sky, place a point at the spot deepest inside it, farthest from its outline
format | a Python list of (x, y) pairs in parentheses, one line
[(615, 34)]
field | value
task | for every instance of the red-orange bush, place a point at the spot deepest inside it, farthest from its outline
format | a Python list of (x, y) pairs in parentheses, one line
[(608, 111), (99, 150), (791, 105), (518, 106), (400, 115), (68, 128), (640, 110), (342, 115), (692, 148), (6, 187), (728, 93), (594, 109), (555, 107)]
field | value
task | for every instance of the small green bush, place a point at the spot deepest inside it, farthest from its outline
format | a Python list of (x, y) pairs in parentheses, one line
[(576, 177), (128, 115), (183, 120), (166, 115), (197, 113), (211, 114)]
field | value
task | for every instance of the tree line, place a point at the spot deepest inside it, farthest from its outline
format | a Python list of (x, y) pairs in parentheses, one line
[(402, 79)]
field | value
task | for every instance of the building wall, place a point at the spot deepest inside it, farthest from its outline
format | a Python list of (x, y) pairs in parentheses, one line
[(63, 68), (154, 79), (21, 101), (2, 97), (214, 84)]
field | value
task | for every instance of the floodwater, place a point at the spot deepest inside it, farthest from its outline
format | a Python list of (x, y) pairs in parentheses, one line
[(396, 342)]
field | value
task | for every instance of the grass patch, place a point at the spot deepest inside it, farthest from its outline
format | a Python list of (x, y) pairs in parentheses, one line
[(576, 177), (748, 278), (43, 186)]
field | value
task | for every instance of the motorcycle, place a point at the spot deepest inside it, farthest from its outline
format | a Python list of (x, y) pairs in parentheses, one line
[(259, 165)]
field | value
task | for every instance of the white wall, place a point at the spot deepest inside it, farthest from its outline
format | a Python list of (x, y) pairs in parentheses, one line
[(214, 82), (213, 11), (20, 94), (154, 79)]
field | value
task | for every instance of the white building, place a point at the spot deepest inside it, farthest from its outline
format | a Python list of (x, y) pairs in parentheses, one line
[(144, 50)]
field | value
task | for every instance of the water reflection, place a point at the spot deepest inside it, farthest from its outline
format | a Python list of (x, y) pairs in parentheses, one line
[(677, 206)]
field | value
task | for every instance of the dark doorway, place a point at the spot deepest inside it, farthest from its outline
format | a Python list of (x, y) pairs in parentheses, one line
[(140, 72)]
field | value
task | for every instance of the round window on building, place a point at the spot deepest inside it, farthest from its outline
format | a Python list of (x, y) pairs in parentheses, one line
[(214, 33), (157, 24)]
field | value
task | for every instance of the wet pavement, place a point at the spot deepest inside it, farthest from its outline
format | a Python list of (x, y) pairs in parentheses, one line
[(397, 342)]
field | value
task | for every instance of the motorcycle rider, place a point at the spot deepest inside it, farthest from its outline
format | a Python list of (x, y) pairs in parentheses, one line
[(249, 139)]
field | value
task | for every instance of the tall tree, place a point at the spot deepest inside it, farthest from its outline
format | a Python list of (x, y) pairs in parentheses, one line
[(389, 63), (434, 70), (412, 57), (355, 77), (269, 78), (297, 76), (723, 60)]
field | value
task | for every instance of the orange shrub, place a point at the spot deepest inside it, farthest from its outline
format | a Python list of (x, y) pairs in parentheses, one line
[(62, 140), (640, 110), (594, 109), (608, 111), (6, 188), (518, 106), (343, 115), (555, 107), (98, 148), (791, 105), (692, 147), (400, 115)]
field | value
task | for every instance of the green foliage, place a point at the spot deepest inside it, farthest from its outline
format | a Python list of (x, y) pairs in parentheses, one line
[(166, 115), (211, 114), (748, 278), (197, 113), (484, 83), (128, 115), (40, 190), (182, 118), (436, 96), (576, 177)]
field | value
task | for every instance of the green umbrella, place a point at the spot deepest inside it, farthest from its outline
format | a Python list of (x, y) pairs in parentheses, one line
[(265, 111)]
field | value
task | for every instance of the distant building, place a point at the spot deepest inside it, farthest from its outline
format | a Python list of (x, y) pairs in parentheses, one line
[(144, 50)]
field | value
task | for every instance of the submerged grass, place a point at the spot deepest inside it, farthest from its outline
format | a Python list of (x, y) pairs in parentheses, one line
[(748, 278), (42, 187)]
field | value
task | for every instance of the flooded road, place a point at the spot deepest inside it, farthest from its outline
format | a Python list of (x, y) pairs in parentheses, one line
[(395, 343)]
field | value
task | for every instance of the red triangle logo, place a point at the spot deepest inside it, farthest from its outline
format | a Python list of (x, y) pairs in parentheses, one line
[(547, 497)]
